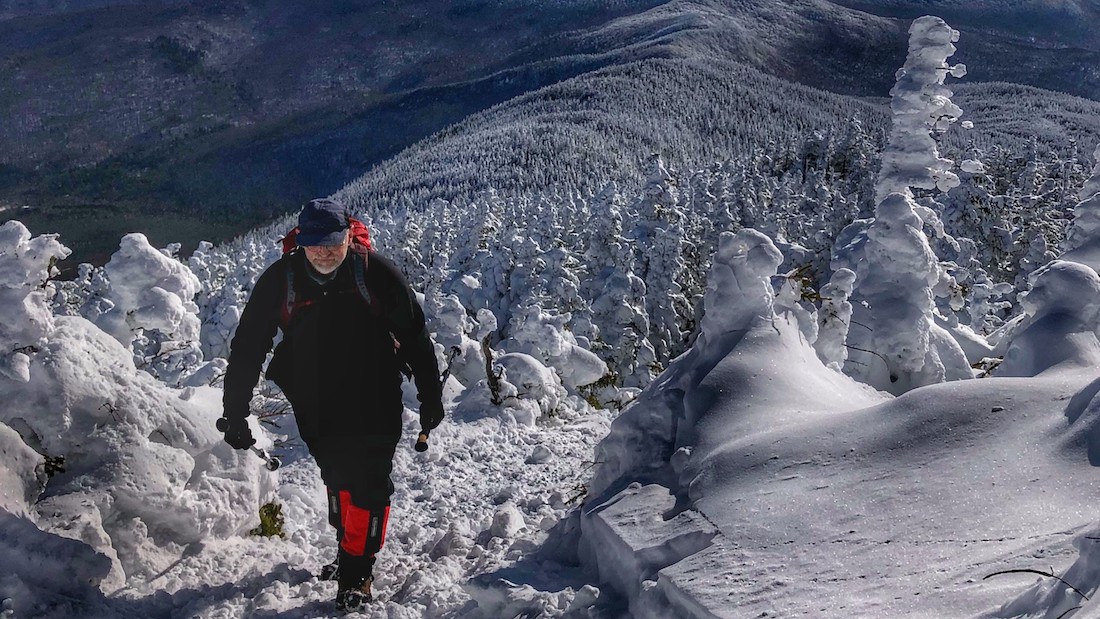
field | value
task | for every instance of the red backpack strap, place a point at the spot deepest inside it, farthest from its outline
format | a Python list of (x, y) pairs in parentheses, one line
[(290, 241)]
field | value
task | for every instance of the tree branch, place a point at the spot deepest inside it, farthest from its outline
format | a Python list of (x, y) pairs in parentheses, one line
[(1050, 575)]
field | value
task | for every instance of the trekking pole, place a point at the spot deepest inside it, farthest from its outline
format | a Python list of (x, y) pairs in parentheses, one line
[(422, 439), (272, 462)]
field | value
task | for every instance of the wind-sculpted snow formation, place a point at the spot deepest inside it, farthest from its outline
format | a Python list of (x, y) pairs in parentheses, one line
[(750, 479)]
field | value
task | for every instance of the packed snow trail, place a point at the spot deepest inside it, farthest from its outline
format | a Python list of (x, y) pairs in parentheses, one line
[(480, 499)]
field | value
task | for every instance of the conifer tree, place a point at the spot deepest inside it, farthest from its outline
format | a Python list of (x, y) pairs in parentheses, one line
[(660, 235), (921, 106), (1085, 228), (899, 271)]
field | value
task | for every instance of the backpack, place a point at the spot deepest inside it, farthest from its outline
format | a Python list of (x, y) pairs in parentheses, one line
[(360, 245), (360, 236)]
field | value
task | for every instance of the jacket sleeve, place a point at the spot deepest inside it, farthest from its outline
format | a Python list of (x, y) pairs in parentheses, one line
[(406, 318), (252, 341)]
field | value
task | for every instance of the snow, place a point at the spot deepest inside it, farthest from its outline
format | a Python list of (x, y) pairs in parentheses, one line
[(750, 479), (833, 501)]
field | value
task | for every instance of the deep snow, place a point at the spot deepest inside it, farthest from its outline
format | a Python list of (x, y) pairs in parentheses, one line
[(750, 479)]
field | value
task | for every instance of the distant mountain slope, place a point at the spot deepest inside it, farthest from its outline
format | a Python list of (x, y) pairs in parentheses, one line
[(1060, 24), (831, 46), (1011, 113), (586, 131), (581, 133), (216, 116), (237, 110)]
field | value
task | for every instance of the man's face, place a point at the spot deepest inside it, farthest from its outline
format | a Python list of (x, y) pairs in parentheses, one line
[(326, 258)]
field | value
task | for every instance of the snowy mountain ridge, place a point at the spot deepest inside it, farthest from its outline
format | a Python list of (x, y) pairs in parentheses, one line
[(716, 307), (239, 118)]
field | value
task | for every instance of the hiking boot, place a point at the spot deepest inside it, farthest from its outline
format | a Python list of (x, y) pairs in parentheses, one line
[(330, 571), (353, 599)]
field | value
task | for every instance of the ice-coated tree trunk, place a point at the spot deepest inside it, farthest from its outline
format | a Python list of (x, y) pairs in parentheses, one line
[(921, 105)]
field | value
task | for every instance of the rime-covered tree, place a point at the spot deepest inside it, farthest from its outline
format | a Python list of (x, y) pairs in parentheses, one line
[(921, 106), (899, 269), (624, 328), (606, 250), (26, 266), (1082, 242), (895, 280), (834, 318), (660, 236), (153, 313)]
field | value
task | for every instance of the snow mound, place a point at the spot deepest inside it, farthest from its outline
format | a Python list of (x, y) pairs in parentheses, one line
[(145, 471), (1062, 314), (847, 503)]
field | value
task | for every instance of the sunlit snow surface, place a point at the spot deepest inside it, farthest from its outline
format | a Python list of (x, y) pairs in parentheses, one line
[(476, 503)]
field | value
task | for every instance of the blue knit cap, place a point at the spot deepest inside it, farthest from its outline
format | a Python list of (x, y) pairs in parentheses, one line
[(322, 222)]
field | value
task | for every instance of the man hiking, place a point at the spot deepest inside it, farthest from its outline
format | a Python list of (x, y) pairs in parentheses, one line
[(350, 325)]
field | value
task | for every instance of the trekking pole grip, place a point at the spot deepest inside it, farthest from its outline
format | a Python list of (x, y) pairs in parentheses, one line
[(422, 441)]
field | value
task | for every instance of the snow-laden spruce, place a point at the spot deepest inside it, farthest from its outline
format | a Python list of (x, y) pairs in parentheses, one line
[(898, 272), (137, 473), (26, 264), (896, 280), (152, 309), (1082, 242), (921, 106)]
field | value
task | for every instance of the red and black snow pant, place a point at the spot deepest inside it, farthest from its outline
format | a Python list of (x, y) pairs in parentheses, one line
[(356, 472)]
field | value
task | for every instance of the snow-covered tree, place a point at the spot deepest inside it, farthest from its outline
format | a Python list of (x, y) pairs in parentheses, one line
[(921, 106), (624, 328), (895, 280), (154, 312), (1082, 242), (26, 265), (899, 271), (834, 318), (660, 235), (454, 330)]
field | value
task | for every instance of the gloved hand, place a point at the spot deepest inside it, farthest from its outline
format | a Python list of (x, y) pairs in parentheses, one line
[(431, 414), (237, 432)]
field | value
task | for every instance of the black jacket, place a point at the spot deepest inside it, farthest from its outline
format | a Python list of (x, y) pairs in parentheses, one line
[(336, 363)]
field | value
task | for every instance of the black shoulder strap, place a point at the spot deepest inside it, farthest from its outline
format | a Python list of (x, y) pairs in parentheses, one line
[(359, 266), (287, 310), (360, 263), (373, 306)]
